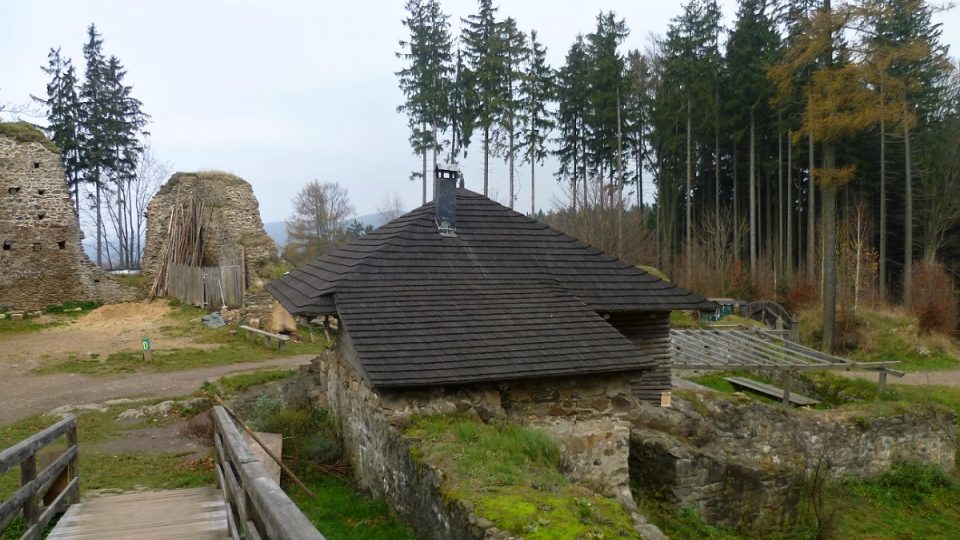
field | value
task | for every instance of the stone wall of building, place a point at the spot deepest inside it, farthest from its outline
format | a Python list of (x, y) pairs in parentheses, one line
[(741, 463), (585, 415), (231, 222), (41, 258)]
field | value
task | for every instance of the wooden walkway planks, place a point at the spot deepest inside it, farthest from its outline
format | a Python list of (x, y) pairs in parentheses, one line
[(771, 391), (151, 515)]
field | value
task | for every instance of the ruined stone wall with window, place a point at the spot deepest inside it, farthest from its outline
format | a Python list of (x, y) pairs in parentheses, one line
[(41, 258)]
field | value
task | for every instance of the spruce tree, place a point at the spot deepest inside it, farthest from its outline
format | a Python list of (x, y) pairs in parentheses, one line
[(95, 152), (572, 109), (426, 80), (483, 46), (537, 92), (513, 53), (63, 110)]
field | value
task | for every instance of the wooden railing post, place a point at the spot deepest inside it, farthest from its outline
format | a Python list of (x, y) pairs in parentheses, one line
[(73, 468), (28, 473)]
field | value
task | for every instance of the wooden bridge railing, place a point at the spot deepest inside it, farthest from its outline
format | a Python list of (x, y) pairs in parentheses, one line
[(256, 506), (58, 484)]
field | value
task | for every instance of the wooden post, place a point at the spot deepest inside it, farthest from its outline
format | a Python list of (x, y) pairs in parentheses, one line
[(787, 379), (73, 468), (882, 383), (28, 473)]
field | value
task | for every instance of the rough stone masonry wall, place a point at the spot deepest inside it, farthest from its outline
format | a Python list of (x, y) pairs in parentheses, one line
[(585, 415), (232, 220), (41, 258), (738, 461)]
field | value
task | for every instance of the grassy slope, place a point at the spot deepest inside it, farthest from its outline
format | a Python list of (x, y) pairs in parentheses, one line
[(888, 334), (512, 475)]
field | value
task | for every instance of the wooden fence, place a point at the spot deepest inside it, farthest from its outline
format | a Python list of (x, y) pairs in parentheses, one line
[(257, 508), (57, 485), (207, 286)]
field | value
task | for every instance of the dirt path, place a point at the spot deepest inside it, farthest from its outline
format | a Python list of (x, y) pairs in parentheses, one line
[(24, 394), (921, 378)]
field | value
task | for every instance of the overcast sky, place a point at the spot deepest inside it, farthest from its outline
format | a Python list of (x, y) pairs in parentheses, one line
[(282, 92)]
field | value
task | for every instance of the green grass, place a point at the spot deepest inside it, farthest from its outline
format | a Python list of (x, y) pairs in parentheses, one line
[(512, 474), (233, 384), (909, 501), (99, 470), (685, 524), (339, 512), (9, 326), (24, 132)]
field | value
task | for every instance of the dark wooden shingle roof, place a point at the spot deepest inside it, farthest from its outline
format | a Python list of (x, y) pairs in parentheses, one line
[(507, 298)]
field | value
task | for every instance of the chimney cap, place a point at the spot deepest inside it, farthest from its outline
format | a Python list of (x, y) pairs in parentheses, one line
[(447, 170)]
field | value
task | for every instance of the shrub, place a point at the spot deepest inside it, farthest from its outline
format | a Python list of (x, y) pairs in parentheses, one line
[(934, 299), (310, 433), (799, 296), (85, 305)]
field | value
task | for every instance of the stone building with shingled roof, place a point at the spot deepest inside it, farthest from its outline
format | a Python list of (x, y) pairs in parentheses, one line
[(464, 290), (466, 307)]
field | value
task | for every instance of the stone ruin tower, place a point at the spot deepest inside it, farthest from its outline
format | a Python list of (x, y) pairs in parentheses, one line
[(230, 226), (42, 261)]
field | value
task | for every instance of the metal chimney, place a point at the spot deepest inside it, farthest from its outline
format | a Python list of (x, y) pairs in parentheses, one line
[(446, 177)]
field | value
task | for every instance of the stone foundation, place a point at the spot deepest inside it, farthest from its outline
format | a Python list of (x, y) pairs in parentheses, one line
[(585, 415), (739, 462)]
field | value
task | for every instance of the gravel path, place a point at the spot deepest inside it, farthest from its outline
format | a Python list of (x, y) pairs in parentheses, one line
[(918, 378), (24, 394)]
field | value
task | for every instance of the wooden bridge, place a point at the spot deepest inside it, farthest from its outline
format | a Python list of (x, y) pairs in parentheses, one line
[(248, 505)]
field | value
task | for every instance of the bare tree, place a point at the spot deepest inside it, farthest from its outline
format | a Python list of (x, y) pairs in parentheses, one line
[(320, 211), (391, 207)]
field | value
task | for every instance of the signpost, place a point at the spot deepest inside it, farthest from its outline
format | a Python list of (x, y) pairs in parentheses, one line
[(147, 353)]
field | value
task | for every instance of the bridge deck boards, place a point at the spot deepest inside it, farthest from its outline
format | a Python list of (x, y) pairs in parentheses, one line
[(151, 515)]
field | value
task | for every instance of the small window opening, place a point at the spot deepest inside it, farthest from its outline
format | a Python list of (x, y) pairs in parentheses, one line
[(7, 245), (41, 191), (36, 164), (62, 244), (41, 215), (36, 247), (13, 190), (96, 281)]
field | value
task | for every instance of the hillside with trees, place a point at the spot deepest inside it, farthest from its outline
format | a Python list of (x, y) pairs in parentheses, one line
[(808, 153)]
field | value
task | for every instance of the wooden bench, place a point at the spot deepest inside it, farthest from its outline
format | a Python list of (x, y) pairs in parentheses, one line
[(268, 337), (771, 391)]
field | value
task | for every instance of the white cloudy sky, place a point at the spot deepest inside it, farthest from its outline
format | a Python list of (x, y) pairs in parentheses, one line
[(281, 92)]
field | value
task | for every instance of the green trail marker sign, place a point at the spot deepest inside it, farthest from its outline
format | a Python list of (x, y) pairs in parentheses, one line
[(147, 353)]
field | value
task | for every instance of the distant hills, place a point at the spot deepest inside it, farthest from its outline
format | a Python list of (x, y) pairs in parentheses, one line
[(277, 230)]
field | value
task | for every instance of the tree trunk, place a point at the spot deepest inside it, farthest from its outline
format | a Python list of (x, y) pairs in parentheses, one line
[(907, 214), (811, 218), (780, 250), (752, 179), (736, 207), (486, 160), (829, 194), (510, 159), (788, 267), (882, 278), (99, 221), (620, 180), (689, 247), (716, 161)]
